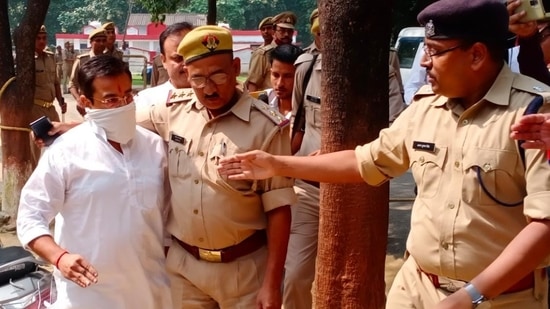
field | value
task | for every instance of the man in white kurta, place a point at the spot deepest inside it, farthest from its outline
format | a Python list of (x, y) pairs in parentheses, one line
[(104, 184)]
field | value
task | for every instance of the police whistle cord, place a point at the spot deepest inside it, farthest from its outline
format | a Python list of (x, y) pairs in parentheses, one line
[(3, 127)]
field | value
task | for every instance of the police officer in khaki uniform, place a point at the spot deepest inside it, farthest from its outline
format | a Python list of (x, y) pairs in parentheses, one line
[(69, 56), (47, 86), (97, 41), (229, 237), (258, 72), (159, 75), (480, 225), (266, 29), (110, 48), (314, 48)]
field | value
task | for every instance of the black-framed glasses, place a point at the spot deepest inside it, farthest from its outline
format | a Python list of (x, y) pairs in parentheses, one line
[(216, 78), (430, 52), (112, 102)]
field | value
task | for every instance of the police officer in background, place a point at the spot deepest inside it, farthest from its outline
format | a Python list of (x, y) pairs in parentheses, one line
[(258, 73), (480, 225), (266, 29), (47, 87), (313, 48), (98, 40), (69, 56), (229, 237), (110, 48)]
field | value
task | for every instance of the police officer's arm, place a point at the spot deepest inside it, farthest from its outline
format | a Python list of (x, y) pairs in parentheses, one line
[(336, 167), (59, 94), (73, 82), (395, 97), (277, 197)]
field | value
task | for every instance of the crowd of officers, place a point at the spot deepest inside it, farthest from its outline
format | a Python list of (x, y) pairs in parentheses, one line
[(232, 229)]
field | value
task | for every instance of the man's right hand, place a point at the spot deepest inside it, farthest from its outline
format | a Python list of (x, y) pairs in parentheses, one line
[(57, 127), (75, 268)]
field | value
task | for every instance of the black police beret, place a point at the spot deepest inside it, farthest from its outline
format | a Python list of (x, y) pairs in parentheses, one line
[(477, 20)]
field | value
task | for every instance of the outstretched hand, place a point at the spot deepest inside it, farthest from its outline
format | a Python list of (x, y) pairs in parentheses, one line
[(534, 130), (255, 164), (75, 268)]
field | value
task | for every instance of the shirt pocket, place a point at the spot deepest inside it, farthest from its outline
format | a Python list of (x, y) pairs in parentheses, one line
[(313, 114), (178, 158), (427, 170), (492, 172), (238, 187)]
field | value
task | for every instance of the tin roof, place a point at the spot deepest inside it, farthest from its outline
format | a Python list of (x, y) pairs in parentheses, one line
[(145, 19)]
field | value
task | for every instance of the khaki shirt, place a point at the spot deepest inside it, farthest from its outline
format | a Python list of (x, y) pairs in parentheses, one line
[(259, 69), (457, 230), (115, 52), (208, 210), (397, 105), (46, 76), (159, 73), (311, 96), (80, 60), (68, 59)]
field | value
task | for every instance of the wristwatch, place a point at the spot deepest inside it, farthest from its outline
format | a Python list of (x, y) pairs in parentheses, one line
[(475, 295)]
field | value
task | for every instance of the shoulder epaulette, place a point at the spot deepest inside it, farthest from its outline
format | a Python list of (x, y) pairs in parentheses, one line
[(424, 91), (83, 56), (530, 85), (305, 57), (177, 96), (271, 113)]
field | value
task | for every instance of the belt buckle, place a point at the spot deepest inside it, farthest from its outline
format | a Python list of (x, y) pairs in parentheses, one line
[(210, 255), (450, 285)]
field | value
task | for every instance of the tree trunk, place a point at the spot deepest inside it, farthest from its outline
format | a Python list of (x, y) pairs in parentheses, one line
[(212, 13), (17, 98), (353, 218)]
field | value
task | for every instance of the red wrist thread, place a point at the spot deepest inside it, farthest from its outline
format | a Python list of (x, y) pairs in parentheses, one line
[(59, 258)]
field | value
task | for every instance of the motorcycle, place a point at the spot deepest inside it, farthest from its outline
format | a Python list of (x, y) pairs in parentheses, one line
[(25, 283)]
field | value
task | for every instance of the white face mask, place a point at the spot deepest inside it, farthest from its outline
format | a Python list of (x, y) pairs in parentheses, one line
[(119, 123)]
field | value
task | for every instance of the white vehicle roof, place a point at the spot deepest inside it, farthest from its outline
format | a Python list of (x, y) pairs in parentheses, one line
[(411, 31)]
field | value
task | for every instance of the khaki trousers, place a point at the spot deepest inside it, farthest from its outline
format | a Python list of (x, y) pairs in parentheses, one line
[(198, 284), (302, 248), (413, 289)]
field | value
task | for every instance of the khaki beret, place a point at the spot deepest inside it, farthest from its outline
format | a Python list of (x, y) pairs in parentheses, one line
[(42, 29), (108, 25), (265, 22), (315, 28), (97, 33), (205, 41), (313, 16), (285, 20)]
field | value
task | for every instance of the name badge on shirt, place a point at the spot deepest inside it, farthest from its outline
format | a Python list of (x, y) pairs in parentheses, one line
[(313, 99), (178, 139), (424, 146)]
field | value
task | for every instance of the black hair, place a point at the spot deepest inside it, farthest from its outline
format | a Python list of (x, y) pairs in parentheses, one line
[(100, 66), (286, 53), (171, 30)]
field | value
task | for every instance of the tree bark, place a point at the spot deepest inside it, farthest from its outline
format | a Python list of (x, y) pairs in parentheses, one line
[(212, 13), (17, 98), (353, 218)]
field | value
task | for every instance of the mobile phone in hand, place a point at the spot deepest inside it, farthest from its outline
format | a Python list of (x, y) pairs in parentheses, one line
[(40, 127)]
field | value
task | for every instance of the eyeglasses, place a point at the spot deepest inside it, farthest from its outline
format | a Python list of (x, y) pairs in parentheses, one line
[(112, 102), (430, 52), (216, 78), (285, 30)]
